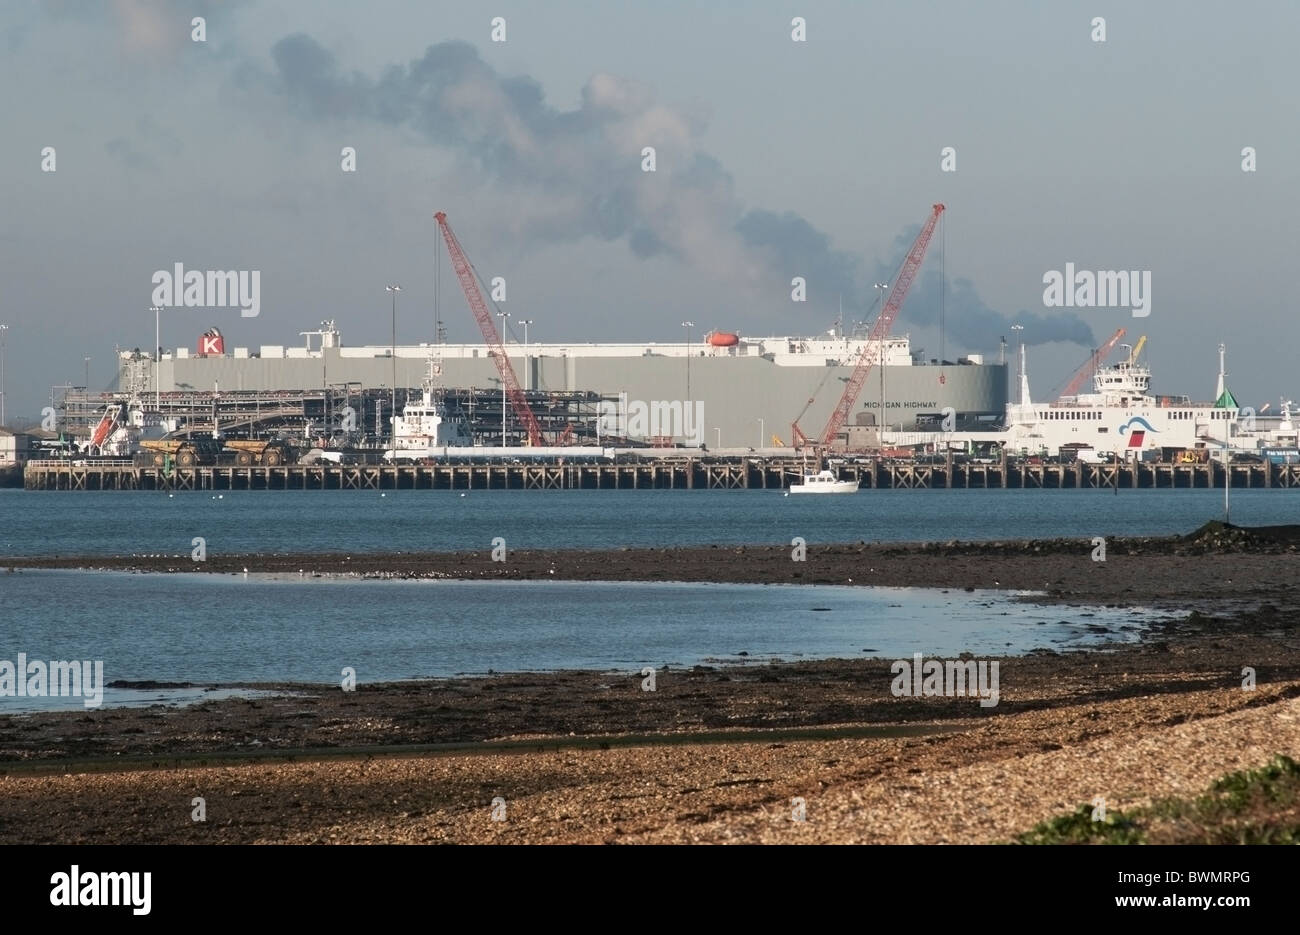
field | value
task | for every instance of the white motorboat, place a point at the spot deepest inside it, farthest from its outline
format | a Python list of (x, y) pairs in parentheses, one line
[(824, 482)]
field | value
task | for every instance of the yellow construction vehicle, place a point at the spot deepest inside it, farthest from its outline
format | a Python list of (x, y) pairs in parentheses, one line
[(182, 452), (192, 452), (268, 453)]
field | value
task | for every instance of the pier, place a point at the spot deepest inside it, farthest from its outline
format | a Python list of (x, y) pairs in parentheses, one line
[(651, 474)]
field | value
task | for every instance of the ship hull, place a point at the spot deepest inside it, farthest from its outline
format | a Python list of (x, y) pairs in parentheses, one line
[(733, 401)]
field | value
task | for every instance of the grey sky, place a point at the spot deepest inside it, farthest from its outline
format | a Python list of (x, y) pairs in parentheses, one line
[(775, 158)]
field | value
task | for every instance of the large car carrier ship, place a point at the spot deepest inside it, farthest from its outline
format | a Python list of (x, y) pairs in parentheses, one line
[(733, 390)]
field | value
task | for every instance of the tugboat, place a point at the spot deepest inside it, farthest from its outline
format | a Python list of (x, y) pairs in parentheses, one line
[(422, 430)]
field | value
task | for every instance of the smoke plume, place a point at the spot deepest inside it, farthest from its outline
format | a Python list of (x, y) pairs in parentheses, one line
[(577, 174)]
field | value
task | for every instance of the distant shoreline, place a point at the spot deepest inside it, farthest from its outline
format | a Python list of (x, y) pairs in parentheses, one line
[(1172, 570)]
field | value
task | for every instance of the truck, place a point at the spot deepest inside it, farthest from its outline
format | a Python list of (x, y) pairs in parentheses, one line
[(182, 452), (1078, 451), (1281, 455), (269, 453), (1185, 455), (193, 452)]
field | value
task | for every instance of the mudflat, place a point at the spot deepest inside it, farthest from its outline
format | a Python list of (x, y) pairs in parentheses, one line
[(717, 753)]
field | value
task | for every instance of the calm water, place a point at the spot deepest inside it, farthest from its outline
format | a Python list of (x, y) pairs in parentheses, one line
[(113, 522), (204, 628), (223, 628)]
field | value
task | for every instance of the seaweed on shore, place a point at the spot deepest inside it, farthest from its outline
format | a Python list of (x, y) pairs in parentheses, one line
[(1255, 806)]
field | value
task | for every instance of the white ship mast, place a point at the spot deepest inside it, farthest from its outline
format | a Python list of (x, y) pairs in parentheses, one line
[(433, 378), (1218, 389), (1023, 409), (1025, 401)]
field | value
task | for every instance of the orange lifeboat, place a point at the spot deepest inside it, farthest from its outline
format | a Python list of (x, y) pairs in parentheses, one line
[(722, 339)]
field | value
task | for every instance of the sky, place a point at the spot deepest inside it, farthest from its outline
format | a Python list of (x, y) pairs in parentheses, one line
[(774, 158)]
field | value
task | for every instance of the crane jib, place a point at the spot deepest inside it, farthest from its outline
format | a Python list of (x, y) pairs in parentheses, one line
[(853, 387), (464, 272)]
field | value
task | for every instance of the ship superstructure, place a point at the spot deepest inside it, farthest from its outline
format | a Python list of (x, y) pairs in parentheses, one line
[(423, 429)]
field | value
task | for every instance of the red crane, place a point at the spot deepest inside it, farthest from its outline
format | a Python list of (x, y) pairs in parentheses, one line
[(862, 368), (1090, 365), (468, 283)]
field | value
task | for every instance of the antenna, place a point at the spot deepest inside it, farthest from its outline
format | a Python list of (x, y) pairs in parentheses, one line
[(439, 329)]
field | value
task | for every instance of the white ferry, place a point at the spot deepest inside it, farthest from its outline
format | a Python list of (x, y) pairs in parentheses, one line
[(1121, 418)]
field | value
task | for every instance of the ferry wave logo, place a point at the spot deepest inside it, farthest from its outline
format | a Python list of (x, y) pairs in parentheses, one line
[(1137, 427)]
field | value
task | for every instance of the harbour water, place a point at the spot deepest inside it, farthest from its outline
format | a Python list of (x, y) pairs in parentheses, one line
[(36, 523), (206, 628), (219, 629)]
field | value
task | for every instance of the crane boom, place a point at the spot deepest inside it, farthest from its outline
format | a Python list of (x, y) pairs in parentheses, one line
[(1137, 349), (1091, 364), (853, 388), (475, 298)]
